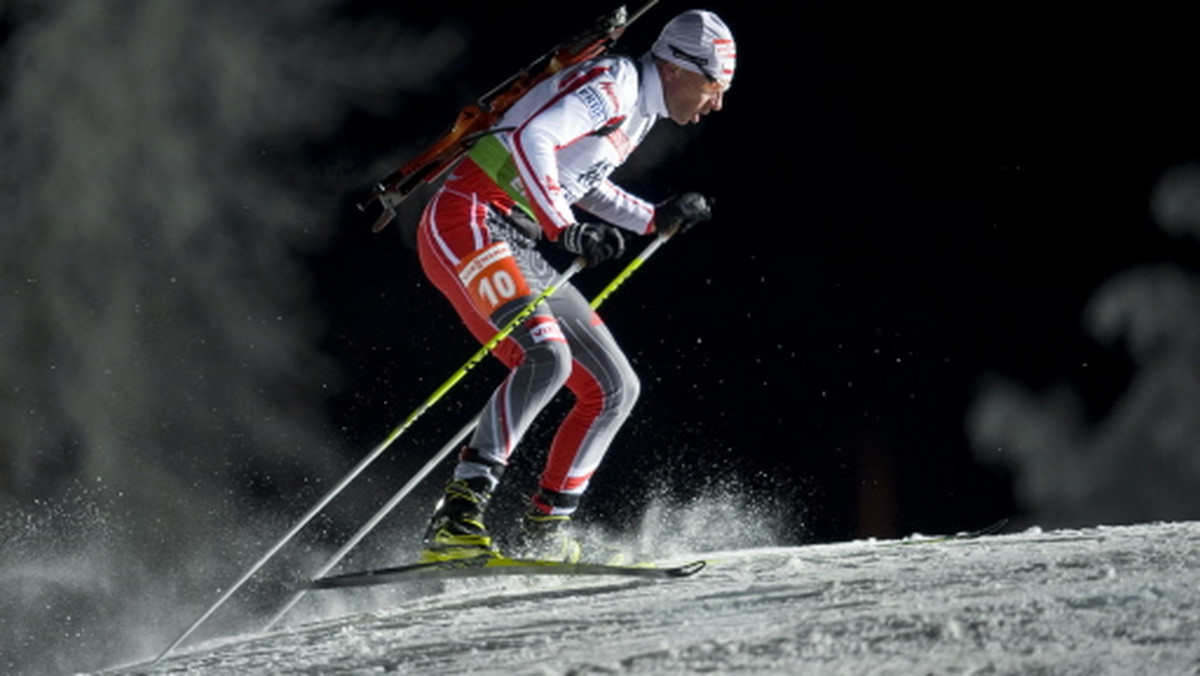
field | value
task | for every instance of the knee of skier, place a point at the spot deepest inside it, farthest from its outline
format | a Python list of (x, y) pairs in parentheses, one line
[(552, 360), (624, 395), (612, 397), (631, 389)]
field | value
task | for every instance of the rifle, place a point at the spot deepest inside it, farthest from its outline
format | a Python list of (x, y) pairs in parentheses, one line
[(477, 119)]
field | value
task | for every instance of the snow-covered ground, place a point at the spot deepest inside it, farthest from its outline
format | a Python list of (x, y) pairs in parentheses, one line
[(1105, 600)]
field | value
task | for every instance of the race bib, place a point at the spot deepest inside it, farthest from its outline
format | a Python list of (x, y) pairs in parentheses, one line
[(492, 277)]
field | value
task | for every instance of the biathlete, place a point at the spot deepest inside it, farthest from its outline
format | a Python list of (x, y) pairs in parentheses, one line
[(552, 152)]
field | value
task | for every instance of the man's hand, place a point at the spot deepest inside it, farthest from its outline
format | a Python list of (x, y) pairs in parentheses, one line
[(682, 212), (595, 242)]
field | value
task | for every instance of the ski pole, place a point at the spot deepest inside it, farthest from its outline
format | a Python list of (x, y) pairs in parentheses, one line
[(453, 444), (380, 515), (400, 429), (631, 268)]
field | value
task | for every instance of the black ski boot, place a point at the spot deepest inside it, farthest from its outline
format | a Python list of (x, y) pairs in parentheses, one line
[(546, 537), (456, 529)]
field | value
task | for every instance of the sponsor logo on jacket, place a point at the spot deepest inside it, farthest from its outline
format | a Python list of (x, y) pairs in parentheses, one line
[(594, 102)]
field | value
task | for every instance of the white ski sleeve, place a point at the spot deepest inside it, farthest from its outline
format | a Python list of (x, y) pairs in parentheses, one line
[(613, 204)]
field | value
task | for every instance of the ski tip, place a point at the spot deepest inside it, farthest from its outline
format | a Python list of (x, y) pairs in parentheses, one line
[(688, 569)]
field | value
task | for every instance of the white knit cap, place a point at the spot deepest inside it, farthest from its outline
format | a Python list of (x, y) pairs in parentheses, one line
[(700, 42)]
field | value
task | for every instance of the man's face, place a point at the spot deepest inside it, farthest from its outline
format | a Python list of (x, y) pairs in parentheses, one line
[(690, 95)]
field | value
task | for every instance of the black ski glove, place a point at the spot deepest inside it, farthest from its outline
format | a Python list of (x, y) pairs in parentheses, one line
[(682, 212), (596, 242)]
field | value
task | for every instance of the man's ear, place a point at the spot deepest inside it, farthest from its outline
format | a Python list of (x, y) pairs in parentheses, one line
[(668, 71)]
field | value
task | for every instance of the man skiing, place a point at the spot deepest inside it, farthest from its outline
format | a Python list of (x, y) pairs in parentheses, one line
[(553, 150)]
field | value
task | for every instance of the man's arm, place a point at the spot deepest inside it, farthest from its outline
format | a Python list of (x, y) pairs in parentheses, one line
[(585, 102)]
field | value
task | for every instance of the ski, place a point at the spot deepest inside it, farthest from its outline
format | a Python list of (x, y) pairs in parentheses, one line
[(965, 535), (475, 120), (489, 566)]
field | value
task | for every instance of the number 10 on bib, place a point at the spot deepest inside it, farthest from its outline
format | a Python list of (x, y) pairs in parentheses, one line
[(492, 277)]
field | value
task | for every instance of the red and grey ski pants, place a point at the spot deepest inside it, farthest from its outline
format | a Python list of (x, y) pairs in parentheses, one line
[(490, 271)]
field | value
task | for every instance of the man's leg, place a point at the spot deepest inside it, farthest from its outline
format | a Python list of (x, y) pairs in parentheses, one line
[(489, 282), (606, 389)]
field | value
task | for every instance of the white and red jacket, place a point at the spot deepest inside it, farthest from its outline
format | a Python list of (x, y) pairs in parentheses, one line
[(558, 144)]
